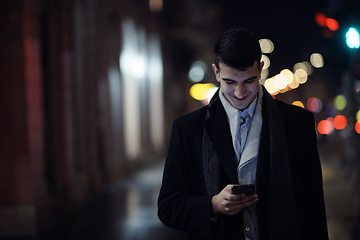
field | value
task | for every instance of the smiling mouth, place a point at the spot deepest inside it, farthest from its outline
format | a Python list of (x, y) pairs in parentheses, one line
[(241, 99)]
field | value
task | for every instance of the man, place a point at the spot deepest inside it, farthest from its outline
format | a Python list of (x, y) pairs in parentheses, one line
[(243, 136)]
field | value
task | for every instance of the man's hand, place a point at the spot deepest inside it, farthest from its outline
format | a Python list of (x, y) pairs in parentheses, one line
[(231, 204)]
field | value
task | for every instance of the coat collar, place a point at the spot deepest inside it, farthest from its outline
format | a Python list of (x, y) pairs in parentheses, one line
[(218, 129)]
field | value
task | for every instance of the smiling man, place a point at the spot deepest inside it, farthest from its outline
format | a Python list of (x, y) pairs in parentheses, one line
[(246, 166), (240, 88)]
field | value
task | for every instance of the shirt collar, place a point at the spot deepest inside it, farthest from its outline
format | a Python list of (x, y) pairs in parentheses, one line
[(233, 112)]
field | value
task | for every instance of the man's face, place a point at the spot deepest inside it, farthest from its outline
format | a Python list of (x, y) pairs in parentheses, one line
[(239, 87)]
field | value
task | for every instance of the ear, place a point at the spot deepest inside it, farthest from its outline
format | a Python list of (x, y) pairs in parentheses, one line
[(261, 66), (216, 72)]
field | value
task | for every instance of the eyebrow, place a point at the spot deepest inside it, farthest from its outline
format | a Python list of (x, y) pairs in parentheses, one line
[(228, 79)]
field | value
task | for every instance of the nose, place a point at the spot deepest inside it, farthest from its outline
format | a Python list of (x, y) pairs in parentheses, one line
[(240, 91)]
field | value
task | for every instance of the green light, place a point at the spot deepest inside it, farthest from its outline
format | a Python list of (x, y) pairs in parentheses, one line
[(340, 102), (352, 38), (358, 116)]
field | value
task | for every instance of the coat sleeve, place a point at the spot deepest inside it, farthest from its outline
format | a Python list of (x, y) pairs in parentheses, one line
[(182, 203), (313, 195)]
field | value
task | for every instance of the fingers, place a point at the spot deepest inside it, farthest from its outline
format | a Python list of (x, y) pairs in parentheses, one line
[(231, 204), (237, 203)]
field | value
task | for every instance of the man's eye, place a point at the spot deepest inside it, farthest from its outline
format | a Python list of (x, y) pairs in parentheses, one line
[(249, 81), (229, 82)]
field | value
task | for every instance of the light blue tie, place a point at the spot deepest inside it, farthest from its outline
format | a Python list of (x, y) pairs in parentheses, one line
[(243, 124)]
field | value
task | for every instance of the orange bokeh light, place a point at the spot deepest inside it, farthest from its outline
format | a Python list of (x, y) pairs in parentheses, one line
[(325, 127), (332, 24), (320, 19), (357, 127), (340, 122), (298, 103)]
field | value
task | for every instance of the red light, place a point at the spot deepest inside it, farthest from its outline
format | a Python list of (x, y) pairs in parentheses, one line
[(320, 19), (357, 127), (314, 105), (340, 122), (325, 127), (332, 24)]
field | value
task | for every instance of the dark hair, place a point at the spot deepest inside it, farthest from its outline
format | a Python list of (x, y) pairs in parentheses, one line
[(237, 48)]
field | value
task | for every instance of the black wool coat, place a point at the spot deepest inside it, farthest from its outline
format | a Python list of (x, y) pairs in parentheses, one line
[(184, 203)]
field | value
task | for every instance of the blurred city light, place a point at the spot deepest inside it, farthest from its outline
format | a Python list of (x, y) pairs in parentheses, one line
[(129, 57), (352, 38), (199, 90), (264, 75), (314, 104), (156, 92), (306, 66), (295, 83), (267, 46), (210, 93), (298, 103), (320, 19), (302, 75), (332, 24), (357, 86), (156, 5), (317, 60), (266, 61), (325, 127), (357, 127), (271, 87), (340, 102), (280, 81), (197, 71), (358, 116), (288, 75), (340, 122)]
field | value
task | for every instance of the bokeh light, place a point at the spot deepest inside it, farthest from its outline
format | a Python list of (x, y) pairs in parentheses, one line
[(317, 60), (264, 75), (298, 103), (280, 81), (267, 46), (320, 19), (352, 38), (306, 66), (340, 102), (271, 87), (340, 122), (302, 75), (357, 86), (332, 24), (314, 104), (266, 61), (358, 116), (325, 127), (197, 71), (210, 93), (357, 127), (295, 83), (199, 90), (289, 75), (284, 90)]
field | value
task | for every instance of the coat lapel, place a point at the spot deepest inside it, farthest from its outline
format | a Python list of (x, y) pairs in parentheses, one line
[(218, 129), (264, 148)]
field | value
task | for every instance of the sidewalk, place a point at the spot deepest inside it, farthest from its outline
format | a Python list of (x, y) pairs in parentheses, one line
[(129, 211), (341, 196)]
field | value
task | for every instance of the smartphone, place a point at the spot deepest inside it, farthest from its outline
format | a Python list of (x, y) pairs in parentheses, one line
[(247, 189)]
